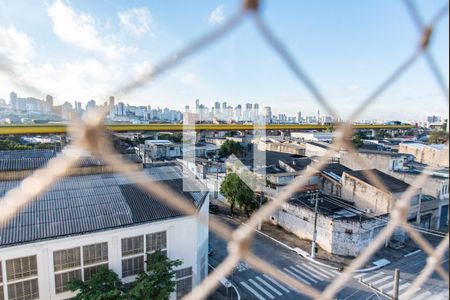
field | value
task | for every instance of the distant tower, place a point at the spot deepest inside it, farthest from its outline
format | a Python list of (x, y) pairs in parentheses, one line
[(318, 116), (13, 100), (299, 117), (112, 108)]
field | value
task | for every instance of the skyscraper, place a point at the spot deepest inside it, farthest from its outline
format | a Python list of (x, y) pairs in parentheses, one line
[(299, 119), (13, 100), (112, 108), (49, 103)]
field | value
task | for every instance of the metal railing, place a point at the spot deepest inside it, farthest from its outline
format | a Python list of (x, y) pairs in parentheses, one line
[(89, 133)]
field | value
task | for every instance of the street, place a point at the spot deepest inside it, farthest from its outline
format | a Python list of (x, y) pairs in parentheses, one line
[(254, 285)]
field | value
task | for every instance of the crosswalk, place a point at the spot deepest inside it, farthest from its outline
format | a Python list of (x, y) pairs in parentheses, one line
[(264, 287), (384, 282)]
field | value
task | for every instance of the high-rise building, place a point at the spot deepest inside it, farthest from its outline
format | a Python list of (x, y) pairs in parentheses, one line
[(299, 118), (197, 106), (121, 109), (256, 111), (217, 109), (91, 105), (49, 103), (13, 100), (267, 114), (112, 107)]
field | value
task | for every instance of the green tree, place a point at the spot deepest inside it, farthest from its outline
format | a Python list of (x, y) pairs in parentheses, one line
[(358, 138), (8, 144), (230, 147), (159, 280), (438, 137), (238, 194), (104, 285)]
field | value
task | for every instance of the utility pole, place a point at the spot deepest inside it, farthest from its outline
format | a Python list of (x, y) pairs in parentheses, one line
[(260, 204), (315, 196), (396, 284)]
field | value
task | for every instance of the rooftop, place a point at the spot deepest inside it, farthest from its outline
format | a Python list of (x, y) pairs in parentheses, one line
[(85, 204), (333, 207), (35, 159), (392, 184)]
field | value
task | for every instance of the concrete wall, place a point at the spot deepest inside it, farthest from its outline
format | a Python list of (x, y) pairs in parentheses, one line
[(345, 237), (426, 154), (365, 196), (186, 240), (294, 149)]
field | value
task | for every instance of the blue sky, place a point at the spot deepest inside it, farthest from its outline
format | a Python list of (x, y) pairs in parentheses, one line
[(78, 50)]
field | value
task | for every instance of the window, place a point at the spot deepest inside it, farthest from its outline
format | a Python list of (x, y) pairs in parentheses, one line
[(68, 266), (62, 280), (348, 231), (21, 268), (184, 282), (2, 296), (24, 290), (66, 259), (132, 266), (96, 253), (156, 241), (134, 245), (90, 271), (203, 267), (305, 219)]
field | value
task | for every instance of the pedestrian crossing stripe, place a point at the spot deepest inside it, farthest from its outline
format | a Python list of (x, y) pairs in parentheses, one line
[(383, 279), (276, 283), (296, 276), (269, 286), (263, 290), (319, 275), (301, 273), (255, 293), (385, 283)]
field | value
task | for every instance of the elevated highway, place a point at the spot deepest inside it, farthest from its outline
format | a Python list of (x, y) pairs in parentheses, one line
[(62, 128)]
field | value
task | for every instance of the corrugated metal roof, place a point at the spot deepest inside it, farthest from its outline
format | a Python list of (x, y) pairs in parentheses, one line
[(83, 204), (31, 160)]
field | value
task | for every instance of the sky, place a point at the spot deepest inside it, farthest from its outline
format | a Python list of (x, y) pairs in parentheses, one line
[(79, 50)]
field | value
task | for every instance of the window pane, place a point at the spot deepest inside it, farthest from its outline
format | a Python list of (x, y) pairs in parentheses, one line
[(62, 280), (2, 296), (20, 268), (66, 259), (134, 245), (183, 272), (132, 266), (25, 290), (156, 241), (184, 286), (96, 253), (89, 272)]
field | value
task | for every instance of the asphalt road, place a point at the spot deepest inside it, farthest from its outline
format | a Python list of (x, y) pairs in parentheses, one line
[(254, 285)]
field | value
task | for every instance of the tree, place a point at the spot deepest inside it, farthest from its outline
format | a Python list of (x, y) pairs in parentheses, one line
[(8, 144), (238, 193), (104, 285), (230, 147), (159, 280), (358, 138), (438, 137)]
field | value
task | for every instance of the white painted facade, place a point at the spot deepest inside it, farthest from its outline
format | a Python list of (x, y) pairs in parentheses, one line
[(187, 240)]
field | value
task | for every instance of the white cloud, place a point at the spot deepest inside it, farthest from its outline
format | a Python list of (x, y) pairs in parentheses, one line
[(189, 79), (136, 20), (16, 47), (79, 29), (217, 16)]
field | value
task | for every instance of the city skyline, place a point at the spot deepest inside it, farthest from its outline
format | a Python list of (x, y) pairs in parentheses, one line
[(123, 40)]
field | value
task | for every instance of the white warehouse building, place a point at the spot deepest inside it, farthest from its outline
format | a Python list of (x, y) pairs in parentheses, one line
[(95, 220)]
